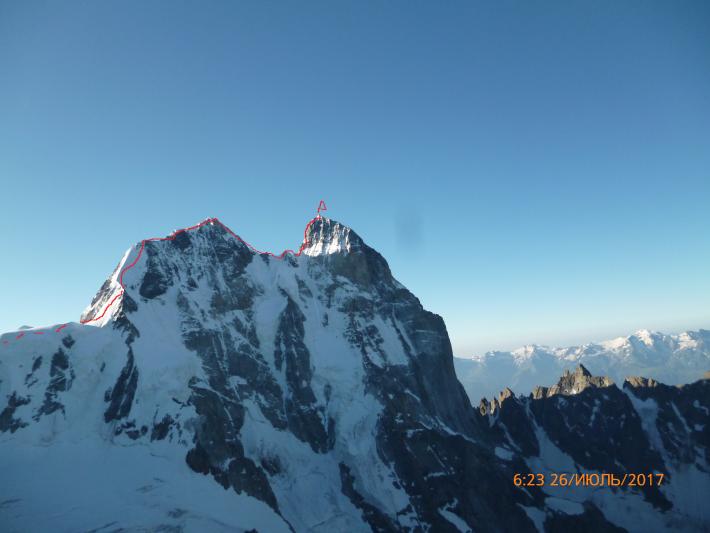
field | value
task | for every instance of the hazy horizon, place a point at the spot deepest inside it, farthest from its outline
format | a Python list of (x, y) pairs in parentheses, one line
[(569, 340)]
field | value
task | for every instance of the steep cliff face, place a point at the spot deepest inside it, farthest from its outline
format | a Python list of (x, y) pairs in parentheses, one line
[(217, 388)]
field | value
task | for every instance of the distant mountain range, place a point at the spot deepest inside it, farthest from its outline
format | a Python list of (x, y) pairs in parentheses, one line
[(672, 359)]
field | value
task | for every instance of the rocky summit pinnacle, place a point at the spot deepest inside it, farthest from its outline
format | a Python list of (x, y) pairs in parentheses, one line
[(326, 236), (573, 383)]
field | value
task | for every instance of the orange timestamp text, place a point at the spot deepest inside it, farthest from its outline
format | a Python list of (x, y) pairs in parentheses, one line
[(554, 479)]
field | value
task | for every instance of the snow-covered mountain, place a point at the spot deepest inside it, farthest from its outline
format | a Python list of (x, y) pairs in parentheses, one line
[(216, 388), (672, 359), (229, 388)]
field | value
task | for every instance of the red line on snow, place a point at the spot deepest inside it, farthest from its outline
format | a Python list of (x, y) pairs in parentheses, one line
[(172, 236)]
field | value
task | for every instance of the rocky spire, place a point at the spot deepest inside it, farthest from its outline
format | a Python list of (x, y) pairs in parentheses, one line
[(325, 236), (573, 383)]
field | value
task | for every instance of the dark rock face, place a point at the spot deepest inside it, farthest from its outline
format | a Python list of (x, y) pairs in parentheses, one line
[(162, 428), (682, 418), (218, 449), (155, 282), (437, 469), (305, 418), (217, 443), (61, 377), (120, 396), (31, 379), (377, 520), (514, 420), (7, 421)]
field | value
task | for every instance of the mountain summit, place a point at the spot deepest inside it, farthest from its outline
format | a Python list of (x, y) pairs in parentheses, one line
[(325, 236)]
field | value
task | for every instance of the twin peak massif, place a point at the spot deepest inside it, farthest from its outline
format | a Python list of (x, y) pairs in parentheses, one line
[(230, 390)]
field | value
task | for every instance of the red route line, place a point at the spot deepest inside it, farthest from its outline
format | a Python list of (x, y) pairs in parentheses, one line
[(172, 236), (305, 244)]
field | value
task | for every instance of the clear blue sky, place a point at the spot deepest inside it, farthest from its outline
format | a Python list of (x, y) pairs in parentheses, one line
[(533, 171)]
